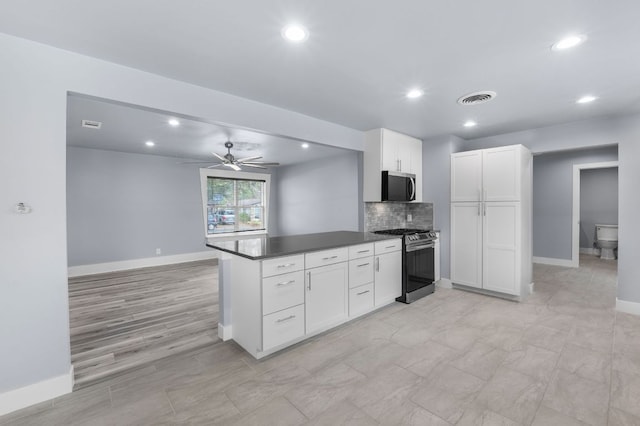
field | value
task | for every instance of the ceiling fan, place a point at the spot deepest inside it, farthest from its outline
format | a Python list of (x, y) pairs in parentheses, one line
[(228, 160)]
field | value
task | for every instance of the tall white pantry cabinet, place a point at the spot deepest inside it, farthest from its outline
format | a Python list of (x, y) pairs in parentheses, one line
[(491, 244)]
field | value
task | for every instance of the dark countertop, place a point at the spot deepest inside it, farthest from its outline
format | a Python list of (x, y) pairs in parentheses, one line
[(265, 247)]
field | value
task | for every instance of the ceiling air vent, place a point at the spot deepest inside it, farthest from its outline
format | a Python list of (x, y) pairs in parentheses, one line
[(90, 124), (477, 98)]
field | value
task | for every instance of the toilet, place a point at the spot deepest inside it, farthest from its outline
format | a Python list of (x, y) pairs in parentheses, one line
[(607, 240)]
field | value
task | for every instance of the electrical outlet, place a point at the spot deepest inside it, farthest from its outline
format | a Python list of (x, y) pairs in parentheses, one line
[(409, 218), (158, 251)]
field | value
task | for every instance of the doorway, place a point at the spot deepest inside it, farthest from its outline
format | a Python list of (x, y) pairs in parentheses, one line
[(579, 227)]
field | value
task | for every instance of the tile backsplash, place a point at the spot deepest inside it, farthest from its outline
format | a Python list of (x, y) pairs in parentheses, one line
[(391, 215)]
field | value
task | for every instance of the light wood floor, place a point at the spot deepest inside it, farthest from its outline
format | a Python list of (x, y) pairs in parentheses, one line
[(123, 320)]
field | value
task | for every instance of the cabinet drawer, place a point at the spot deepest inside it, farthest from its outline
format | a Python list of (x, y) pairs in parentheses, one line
[(388, 246), (282, 265), (362, 250), (282, 291), (360, 299), (282, 327), (360, 271), (326, 257)]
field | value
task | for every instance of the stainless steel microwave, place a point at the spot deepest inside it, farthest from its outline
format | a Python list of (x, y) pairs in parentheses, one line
[(398, 186)]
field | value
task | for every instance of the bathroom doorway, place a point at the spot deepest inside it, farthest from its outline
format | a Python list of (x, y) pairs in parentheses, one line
[(595, 201)]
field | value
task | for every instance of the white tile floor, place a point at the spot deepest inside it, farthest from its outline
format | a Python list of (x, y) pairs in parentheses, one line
[(563, 357)]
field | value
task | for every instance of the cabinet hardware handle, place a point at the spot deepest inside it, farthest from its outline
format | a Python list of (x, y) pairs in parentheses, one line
[(377, 264), (485, 209), (478, 209), (390, 247), (328, 258), (290, 317), (286, 265), (364, 251), (282, 284), (400, 161), (363, 292), (363, 264), (309, 285)]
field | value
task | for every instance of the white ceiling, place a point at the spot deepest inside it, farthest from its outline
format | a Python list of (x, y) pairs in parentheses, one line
[(126, 128), (362, 56)]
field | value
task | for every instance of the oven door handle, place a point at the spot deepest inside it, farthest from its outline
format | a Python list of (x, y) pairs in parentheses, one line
[(419, 247)]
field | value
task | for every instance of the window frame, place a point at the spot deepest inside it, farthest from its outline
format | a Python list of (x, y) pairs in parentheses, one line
[(224, 174)]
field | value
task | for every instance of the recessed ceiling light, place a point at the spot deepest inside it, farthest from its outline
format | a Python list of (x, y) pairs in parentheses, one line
[(586, 99), (569, 42), (470, 123), (305, 145), (173, 122), (414, 93), (149, 143), (295, 33)]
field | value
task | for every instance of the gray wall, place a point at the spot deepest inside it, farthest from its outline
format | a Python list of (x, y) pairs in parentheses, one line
[(436, 176), (123, 206), (319, 196), (598, 202), (553, 198)]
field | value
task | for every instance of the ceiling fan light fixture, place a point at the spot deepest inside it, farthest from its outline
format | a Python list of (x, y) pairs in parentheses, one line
[(232, 166)]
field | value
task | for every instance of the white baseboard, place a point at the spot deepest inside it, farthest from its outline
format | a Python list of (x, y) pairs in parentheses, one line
[(628, 307), (444, 283), (553, 261), (38, 392), (100, 268), (224, 332)]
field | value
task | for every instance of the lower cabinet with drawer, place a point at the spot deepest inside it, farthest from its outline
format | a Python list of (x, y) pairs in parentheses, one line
[(281, 301)]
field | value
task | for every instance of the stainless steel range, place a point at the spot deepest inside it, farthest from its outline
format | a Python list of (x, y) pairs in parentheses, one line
[(418, 267)]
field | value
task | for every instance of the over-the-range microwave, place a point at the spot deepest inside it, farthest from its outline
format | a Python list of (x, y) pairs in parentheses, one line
[(398, 186)]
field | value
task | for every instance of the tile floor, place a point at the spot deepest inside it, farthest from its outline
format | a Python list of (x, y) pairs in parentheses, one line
[(564, 357)]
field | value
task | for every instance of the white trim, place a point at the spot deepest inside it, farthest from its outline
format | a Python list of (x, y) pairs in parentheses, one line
[(628, 307), (38, 392), (224, 332), (532, 288), (553, 261), (444, 283), (575, 227), (100, 268)]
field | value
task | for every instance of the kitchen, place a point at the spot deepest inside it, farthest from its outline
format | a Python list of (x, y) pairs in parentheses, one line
[(38, 93)]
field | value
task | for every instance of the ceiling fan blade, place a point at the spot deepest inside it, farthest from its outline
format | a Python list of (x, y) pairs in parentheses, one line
[(220, 157), (194, 162), (213, 166), (261, 163), (253, 165), (249, 159), (233, 166)]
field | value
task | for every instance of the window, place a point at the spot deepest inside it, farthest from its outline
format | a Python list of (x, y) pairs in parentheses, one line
[(235, 202)]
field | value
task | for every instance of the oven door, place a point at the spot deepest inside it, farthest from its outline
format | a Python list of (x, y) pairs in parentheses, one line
[(419, 266)]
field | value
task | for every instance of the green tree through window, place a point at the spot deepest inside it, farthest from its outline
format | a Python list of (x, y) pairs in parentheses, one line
[(235, 205)]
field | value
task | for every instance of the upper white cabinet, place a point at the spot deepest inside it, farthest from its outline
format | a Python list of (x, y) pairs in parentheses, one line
[(487, 175), (388, 150)]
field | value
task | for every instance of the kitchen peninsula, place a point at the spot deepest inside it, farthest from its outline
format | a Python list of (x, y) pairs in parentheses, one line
[(289, 288)]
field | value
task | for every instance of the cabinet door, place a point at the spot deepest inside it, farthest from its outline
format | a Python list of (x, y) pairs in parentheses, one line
[(416, 165), (466, 176), (466, 244), (502, 234), (390, 146), (326, 295), (501, 174), (387, 278)]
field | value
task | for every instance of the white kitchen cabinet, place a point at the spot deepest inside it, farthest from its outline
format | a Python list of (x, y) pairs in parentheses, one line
[(466, 244), (326, 293), (392, 151), (491, 228), (388, 272), (281, 301), (493, 174)]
